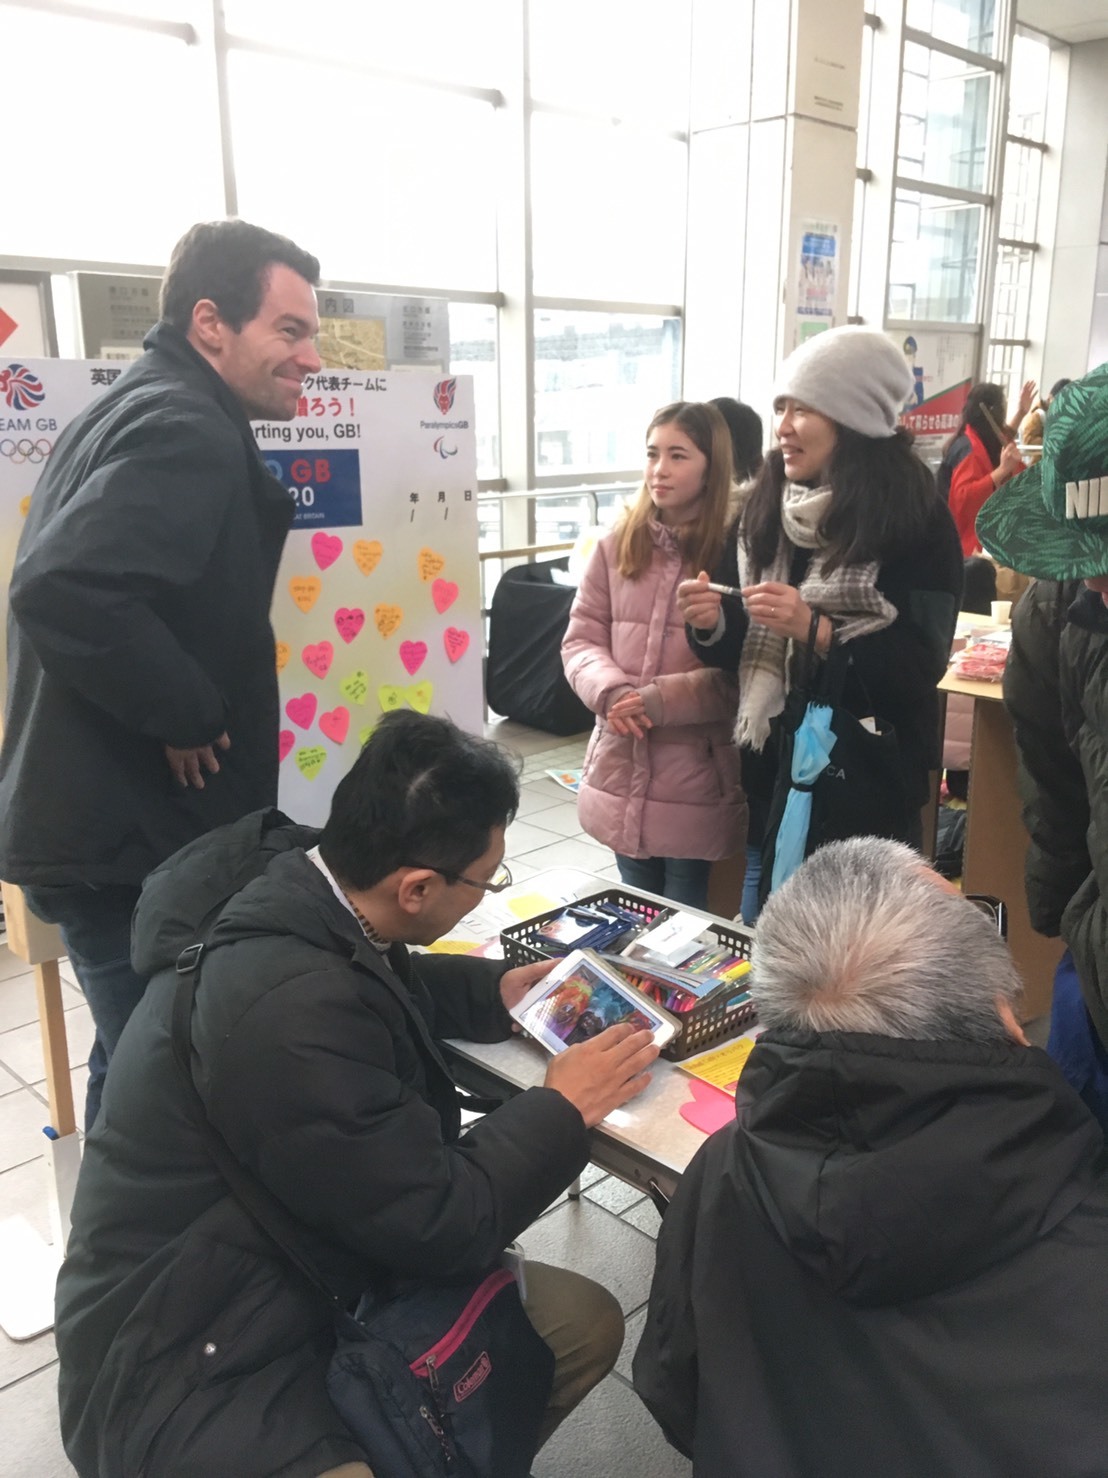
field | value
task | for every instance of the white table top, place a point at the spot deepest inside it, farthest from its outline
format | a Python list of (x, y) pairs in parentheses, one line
[(647, 1138)]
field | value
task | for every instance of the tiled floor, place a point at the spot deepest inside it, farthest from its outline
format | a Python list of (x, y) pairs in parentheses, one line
[(607, 1234)]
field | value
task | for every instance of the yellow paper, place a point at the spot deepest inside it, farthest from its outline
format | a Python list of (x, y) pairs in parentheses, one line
[(530, 904), (452, 946), (723, 1066)]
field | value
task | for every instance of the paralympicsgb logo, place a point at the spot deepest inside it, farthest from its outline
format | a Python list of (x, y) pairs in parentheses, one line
[(21, 390), (444, 395)]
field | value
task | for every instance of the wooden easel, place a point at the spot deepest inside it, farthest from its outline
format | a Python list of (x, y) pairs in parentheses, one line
[(28, 1265)]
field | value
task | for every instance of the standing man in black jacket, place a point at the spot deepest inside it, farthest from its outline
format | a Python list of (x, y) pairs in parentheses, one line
[(142, 698), (895, 1261)]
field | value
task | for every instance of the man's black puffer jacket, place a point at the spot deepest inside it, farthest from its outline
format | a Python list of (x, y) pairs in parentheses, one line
[(316, 1058)]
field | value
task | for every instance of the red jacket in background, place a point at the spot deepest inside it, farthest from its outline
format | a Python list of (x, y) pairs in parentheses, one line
[(971, 483)]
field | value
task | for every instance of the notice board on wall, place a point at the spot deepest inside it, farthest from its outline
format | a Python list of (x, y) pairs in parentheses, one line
[(377, 601)]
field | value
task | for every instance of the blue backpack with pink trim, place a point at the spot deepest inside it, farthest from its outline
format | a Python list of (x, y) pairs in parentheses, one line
[(436, 1380), (444, 1379)]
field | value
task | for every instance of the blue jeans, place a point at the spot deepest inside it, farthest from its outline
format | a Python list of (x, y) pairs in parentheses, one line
[(1074, 1044), (684, 879), (95, 924), (748, 910)]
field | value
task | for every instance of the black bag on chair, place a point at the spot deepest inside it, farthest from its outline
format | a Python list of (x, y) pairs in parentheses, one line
[(524, 679), (861, 791)]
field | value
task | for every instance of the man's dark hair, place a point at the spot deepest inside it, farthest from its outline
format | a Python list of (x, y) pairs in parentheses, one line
[(747, 435), (421, 792), (228, 262)]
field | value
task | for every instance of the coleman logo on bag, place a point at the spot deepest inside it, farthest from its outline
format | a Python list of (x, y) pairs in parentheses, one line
[(477, 1374)]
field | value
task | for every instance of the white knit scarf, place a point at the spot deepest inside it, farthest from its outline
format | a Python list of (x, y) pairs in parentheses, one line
[(849, 595)]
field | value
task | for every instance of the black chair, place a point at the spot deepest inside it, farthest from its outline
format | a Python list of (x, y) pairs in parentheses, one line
[(524, 679)]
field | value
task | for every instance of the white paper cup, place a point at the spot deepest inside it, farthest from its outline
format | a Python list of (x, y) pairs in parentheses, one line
[(1002, 612)]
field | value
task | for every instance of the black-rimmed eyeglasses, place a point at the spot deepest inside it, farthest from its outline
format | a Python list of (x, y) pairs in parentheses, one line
[(500, 879)]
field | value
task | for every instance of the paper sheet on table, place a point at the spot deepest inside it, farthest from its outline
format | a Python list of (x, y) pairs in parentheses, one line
[(722, 1065)]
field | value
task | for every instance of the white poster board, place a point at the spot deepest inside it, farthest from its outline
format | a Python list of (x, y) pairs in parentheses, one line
[(377, 601), (38, 399), (377, 604)]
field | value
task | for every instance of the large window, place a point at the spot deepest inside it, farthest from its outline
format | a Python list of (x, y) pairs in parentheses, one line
[(969, 24), (599, 378), (608, 210), (78, 179), (934, 260), (524, 159), (1018, 212), (944, 119)]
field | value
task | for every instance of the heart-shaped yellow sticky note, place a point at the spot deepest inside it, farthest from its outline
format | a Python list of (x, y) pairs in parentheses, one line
[(309, 761), (304, 590), (283, 654), (419, 696), (367, 555), (355, 687), (387, 619), (430, 563)]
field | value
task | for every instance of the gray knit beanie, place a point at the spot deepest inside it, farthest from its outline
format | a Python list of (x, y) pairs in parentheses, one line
[(855, 376)]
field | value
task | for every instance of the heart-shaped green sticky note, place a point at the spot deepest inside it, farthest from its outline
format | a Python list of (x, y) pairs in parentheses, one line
[(355, 687), (390, 697), (309, 761), (419, 696)]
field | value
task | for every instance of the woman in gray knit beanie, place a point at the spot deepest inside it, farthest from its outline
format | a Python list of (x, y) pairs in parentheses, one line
[(844, 543)]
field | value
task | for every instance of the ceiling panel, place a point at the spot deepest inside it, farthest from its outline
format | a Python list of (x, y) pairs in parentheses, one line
[(1069, 20)]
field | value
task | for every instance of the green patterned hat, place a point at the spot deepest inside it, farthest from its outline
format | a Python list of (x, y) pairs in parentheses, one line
[(1052, 520)]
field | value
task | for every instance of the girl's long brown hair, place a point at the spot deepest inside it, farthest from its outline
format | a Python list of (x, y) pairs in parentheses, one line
[(701, 539)]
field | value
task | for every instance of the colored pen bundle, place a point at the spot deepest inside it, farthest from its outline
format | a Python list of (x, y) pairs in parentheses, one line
[(716, 970)]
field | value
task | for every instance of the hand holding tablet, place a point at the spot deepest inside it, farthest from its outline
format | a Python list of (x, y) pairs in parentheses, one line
[(603, 1033), (580, 998), (600, 1075)]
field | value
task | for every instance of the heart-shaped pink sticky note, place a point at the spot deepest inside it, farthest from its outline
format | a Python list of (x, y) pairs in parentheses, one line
[(326, 548), (318, 658), (710, 1109), (412, 654), (456, 642), (285, 740), (349, 622), (302, 710), (336, 724), (444, 593)]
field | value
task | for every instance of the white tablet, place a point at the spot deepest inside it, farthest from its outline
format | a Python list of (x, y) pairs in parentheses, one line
[(580, 998)]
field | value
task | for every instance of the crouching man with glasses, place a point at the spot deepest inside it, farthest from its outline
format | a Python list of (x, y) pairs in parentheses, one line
[(188, 1344)]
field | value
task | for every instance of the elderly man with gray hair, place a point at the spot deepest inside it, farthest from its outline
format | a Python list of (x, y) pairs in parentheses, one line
[(895, 1261)]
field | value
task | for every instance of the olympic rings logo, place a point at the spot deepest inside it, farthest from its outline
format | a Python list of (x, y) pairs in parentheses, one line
[(26, 450)]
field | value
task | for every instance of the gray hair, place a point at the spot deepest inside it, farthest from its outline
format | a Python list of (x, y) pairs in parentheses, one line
[(860, 939)]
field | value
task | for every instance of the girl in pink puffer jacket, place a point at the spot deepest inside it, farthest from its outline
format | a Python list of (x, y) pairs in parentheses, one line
[(661, 776)]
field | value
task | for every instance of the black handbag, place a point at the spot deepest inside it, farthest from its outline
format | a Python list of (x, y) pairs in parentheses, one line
[(861, 791), (434, 1380)]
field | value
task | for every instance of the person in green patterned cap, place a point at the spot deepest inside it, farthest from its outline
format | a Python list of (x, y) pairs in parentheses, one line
[(1052, 522)]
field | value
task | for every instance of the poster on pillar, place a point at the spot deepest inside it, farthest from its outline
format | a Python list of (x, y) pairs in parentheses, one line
[(377, 603), (817, 279), (942, 373), (38, 399)]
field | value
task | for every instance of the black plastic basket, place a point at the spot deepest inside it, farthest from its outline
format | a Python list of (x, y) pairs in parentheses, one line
[(722, 1015)]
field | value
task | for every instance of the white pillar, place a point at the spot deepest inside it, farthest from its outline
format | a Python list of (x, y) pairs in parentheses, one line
[(773, 156)]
